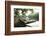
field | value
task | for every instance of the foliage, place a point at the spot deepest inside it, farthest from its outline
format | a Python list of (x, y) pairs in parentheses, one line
[(31, 16)]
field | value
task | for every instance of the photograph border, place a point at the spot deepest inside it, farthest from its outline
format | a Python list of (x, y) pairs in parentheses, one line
[(8, 17)]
